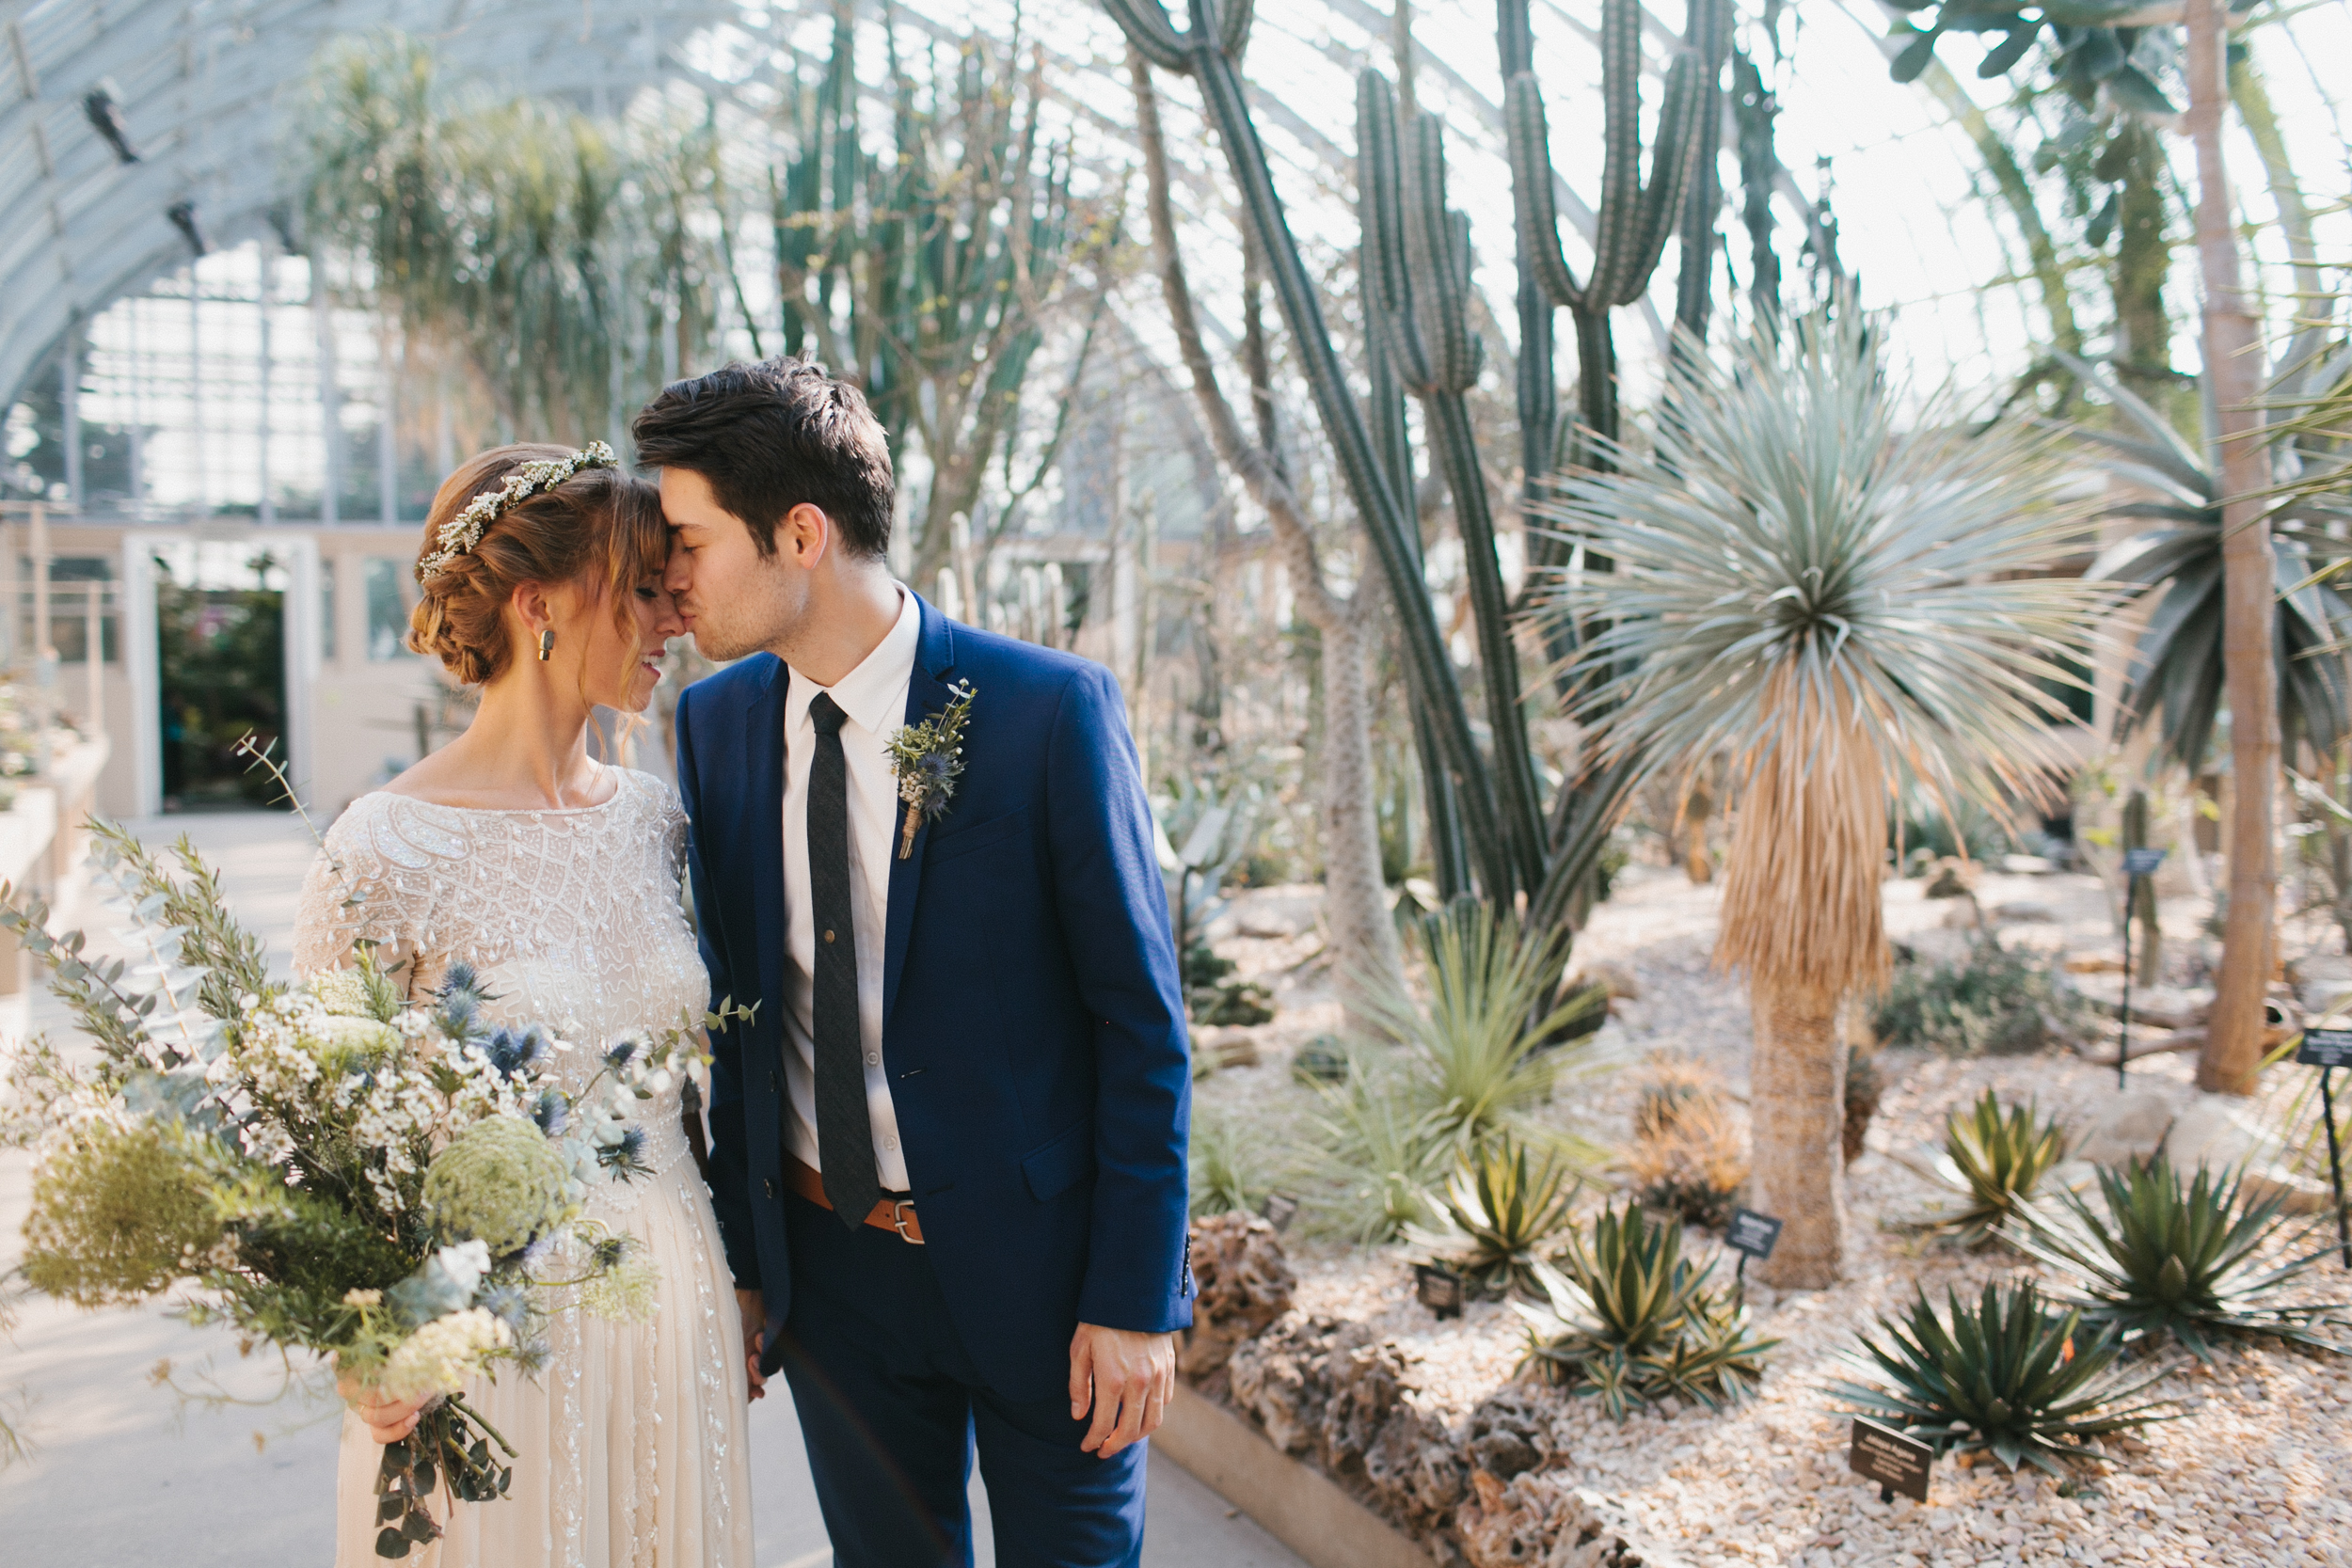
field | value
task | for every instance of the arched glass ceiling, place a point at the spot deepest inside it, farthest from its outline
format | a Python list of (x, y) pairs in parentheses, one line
[(195, 90), (200, 87)]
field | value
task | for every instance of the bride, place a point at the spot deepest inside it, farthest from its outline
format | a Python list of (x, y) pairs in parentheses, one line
[(557, 878)]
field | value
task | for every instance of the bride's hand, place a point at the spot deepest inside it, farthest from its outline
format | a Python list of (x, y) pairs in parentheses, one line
[(754, 1309), (389, 1420)]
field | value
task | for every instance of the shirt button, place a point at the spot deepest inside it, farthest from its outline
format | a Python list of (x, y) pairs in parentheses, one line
[(873, 1058), (770, 1186), (890, 1143)]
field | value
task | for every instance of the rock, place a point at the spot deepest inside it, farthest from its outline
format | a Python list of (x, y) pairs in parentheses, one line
[(1227, 1046), (1281, 1379), (1617, 977), (1538, 1521), (1959, 917), (1951, 877), (2130, 1127), (1414, 1471), (2028, 865), (1510, 1432), (1245, 1286), (1275, 916), (1366, 1388), (2024, 911), (2322, 981)]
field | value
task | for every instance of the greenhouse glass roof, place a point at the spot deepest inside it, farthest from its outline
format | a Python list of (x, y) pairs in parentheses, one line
[(134, 132)]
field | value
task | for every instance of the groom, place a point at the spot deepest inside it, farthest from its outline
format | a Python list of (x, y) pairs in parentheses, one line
[(948, 1151)]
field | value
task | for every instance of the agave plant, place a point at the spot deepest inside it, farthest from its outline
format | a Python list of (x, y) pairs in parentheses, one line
[(1831, 588), (1995, 1158), (1504, 1207), (2178, 1256), (2006, 1376), (1477, 1051), (1630, 1321)]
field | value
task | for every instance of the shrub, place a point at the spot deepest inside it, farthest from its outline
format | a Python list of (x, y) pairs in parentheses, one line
[(1997, 1159), (1378, 1158), (1630, 1321), (2004, 1376), (1993, 1002), (1228, 1171), (1471, 1054), (121, 1213), (1688, 1156), (1504, 1210), (2168, 1257)]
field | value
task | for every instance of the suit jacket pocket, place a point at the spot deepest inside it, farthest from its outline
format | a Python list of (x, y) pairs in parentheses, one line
[(1061, 1164), (962, 841)]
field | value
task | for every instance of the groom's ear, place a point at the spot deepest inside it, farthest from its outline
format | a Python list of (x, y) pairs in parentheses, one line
[(804, 535)]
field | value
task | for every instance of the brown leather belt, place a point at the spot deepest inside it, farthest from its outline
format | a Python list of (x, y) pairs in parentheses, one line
[(896, 1215)]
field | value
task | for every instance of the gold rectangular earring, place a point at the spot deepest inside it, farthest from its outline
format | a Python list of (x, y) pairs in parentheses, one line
[(547, 644)]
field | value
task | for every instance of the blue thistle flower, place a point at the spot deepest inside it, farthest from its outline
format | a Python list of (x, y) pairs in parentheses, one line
[(632, 1145), (618, 1056), (551, 1113), (506, 1301), (513, 1050)]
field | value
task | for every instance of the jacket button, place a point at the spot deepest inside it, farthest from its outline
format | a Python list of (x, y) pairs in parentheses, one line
[(770, 1186)]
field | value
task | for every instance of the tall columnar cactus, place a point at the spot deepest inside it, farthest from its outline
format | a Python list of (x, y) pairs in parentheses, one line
[(1636, 214), (1417, 302), (1207, 50)]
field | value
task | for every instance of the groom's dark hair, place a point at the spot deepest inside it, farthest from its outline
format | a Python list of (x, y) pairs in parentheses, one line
[(773, 435)]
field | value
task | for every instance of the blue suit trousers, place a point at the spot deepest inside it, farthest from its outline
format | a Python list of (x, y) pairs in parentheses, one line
[(893, 1411)]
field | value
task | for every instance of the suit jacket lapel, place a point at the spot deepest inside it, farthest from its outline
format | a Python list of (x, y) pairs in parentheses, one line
[(763, 838), (927, 693)]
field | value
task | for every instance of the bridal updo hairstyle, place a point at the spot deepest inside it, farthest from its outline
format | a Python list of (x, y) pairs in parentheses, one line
[(600, 528)]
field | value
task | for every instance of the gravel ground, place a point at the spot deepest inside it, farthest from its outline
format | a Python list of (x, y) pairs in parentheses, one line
[(2257, 1468)]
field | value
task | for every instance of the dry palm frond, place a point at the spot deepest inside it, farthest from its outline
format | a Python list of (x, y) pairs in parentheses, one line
[(1820, 582)]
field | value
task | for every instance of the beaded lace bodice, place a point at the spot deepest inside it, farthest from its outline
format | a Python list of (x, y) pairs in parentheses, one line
[(572, 917)]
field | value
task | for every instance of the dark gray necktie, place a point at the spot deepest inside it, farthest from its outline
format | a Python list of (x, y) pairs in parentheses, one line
[(845, 1131)]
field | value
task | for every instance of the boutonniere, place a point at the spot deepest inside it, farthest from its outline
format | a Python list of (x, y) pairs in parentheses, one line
[(927, 759)]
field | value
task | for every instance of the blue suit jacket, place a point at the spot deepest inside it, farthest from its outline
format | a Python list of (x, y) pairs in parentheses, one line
[(1032, 1026)]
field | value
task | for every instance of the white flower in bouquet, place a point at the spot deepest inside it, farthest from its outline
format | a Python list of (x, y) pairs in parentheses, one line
[(440, 1357)]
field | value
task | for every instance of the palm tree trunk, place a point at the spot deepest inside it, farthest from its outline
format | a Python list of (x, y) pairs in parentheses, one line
[(1365, 949), (2233, 1048), (1796, 1094)]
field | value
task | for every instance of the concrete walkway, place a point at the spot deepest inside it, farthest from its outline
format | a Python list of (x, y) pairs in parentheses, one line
[(131, 1467)]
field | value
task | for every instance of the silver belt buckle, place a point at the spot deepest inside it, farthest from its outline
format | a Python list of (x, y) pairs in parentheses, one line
[(900, 1208)]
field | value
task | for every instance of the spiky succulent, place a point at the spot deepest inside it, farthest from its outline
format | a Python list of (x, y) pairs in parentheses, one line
[(1997, 1159), (1505, 1204), (2161, 1255), (1630, 1321), (2005, 1377)]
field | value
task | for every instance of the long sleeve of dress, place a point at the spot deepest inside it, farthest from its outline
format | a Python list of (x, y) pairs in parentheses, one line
[(375, 881)]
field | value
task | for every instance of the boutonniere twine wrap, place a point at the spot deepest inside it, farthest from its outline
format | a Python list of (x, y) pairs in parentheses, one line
[(927, 759)]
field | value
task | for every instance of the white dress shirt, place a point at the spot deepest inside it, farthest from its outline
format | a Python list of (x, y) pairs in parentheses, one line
[(874, 696)]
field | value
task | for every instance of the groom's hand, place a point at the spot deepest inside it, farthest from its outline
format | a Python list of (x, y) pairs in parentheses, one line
[(1126, 1377), (754, 1309)]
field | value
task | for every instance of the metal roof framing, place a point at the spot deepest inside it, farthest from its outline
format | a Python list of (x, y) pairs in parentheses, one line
[(204, 88)]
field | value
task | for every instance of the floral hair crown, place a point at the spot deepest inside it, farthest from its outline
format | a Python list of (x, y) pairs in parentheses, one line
[(461, 533)]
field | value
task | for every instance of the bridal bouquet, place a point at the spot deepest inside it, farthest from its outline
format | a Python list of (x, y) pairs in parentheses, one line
[(395, 1187)]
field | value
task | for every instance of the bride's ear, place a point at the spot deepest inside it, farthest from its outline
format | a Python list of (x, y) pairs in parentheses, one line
[(534, 608)]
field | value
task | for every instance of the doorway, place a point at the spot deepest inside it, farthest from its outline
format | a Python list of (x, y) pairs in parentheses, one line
[(220, 644)]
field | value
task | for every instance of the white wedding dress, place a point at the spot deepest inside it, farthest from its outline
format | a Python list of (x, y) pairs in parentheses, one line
[(632, 1437)]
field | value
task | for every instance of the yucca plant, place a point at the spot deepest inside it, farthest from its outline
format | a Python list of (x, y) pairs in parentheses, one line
[(1831, 587), (1377, 1160), (2177, 1257), (1475, 1052), (1504, 1202), (1996, 1159), (1229, 1168), (2006, 1376), (1630, 1321)]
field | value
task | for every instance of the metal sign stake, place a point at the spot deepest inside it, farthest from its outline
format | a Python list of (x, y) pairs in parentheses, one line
[(2335, 1162)]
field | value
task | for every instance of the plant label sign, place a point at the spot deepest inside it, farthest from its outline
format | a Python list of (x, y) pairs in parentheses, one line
[(2326, 1048), (1278, 1210), (1897, 1462), (1752, 1233), (1438, 1289), (2142, 862)]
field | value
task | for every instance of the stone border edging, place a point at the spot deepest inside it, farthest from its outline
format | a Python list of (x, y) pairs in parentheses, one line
[(1296, 1504)]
